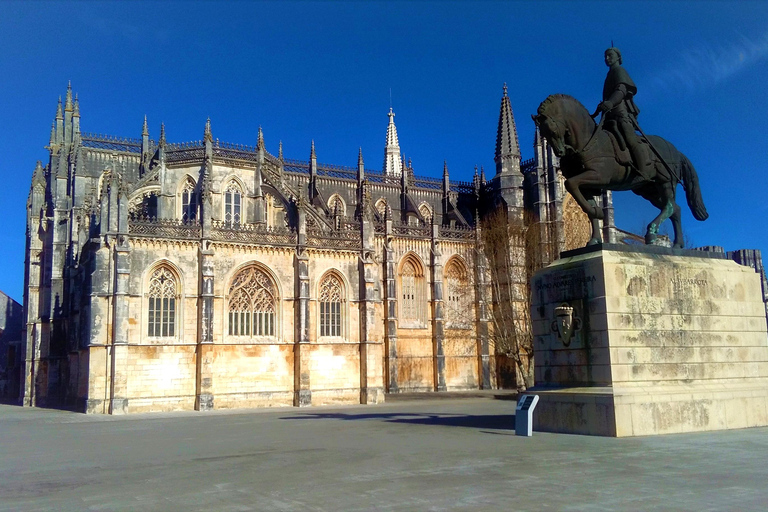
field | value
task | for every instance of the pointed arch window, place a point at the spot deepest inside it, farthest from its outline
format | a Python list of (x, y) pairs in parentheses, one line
[(252, 304), (458, 305), (331, 306), (189, 201), (233, 198), (426, 212), (412, 293), (336, 206), (162, 303)]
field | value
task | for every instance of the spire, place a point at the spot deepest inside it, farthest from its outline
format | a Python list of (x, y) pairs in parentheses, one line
[(162, 134), (77, 107), (260, 139), (68, 104), (392, 163), (59, 114), (145, 128), (52, 140), (360, 165), (312, 155), (280, 151), (507, 146), (482, 174), (446, 179), (207, 137)]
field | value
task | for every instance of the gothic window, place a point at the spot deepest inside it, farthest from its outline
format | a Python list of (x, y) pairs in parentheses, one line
[(252, 304), (232, 204), (381, 207), (188, 201), (336, 206), (412, 292), (162, 303), (426, 212), (331, 302), (144, 206), (458, 308)]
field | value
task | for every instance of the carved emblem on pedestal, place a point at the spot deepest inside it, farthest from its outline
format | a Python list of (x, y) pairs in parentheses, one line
[(566, 323)]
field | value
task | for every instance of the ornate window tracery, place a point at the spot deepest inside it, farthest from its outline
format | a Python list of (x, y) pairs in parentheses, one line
[(381, 207), (336, 206), (412, 292), (162, 303), (252, 304), (232, 204), (426, 212), (458, 306), (189, 201), (331, 302)]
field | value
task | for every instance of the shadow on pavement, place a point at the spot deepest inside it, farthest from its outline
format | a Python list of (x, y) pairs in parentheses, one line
[(491, 421)]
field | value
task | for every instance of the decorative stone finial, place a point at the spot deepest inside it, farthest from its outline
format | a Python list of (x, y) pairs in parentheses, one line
[(145, 128), (207, 135), (280, 150), (162, 134), (260, 139), (53, 134), (76, 113), (312, 152), (505, 89), (68, 104), (360, 156), (59, 114)]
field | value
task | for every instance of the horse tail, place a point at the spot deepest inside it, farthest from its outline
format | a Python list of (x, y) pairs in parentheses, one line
[(692, 190)]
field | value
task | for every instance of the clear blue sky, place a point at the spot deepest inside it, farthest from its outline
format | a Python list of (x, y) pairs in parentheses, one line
[(324, 70)]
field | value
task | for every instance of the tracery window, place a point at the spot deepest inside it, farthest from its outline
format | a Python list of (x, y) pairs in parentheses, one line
[(232, 204), (412, 295), (426, 212), (162, 303), (331, 301), (252, 304), (336, 206), (458, 306), (188, 201), (381, 207)]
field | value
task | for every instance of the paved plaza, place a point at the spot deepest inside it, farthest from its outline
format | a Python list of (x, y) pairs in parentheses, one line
[(427, 454)]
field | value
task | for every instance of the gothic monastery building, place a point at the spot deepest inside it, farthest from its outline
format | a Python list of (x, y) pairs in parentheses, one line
[(205, 275)]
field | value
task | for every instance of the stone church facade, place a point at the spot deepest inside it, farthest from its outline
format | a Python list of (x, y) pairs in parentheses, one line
[(200, 275)]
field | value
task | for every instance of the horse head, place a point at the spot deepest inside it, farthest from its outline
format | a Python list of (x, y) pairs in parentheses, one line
[(561, 120)]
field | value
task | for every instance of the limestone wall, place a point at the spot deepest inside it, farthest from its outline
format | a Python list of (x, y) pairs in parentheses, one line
[(254, 375)]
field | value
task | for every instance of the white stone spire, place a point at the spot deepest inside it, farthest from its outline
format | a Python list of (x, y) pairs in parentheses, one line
[(392, 164)]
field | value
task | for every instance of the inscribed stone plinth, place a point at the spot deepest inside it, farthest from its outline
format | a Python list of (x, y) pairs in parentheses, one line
[(634, 341)]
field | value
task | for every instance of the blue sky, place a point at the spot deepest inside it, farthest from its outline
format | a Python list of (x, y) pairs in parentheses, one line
[(324, 71)]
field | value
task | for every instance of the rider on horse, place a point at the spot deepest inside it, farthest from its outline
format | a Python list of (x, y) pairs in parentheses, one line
[(621, 112)]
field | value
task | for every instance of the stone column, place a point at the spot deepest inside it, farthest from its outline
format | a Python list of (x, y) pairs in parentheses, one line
[(438, 333), (204, 359), (118, 394), (371, 350), (302, 391), (390, 307)]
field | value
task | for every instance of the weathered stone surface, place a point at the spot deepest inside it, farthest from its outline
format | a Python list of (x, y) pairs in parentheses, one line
[(660, 344)]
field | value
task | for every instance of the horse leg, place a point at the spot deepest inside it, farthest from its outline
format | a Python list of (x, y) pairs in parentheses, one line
[(678, 227), (588, 178), (666, 204), (596, 238)]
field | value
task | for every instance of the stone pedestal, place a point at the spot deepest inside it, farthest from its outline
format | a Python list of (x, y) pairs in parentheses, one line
[(635, 341)]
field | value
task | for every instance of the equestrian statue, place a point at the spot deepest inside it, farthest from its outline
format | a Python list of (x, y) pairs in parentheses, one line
[(610, 155)]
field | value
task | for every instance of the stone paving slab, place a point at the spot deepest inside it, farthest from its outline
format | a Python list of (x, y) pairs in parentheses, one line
[(443, 454)]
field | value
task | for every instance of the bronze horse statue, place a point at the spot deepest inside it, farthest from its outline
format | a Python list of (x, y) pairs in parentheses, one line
[(592, 160)]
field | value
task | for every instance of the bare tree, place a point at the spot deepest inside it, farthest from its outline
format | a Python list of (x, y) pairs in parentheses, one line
[(516, 246)]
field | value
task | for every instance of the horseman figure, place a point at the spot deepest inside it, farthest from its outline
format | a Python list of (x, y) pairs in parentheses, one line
[(618, 107)]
